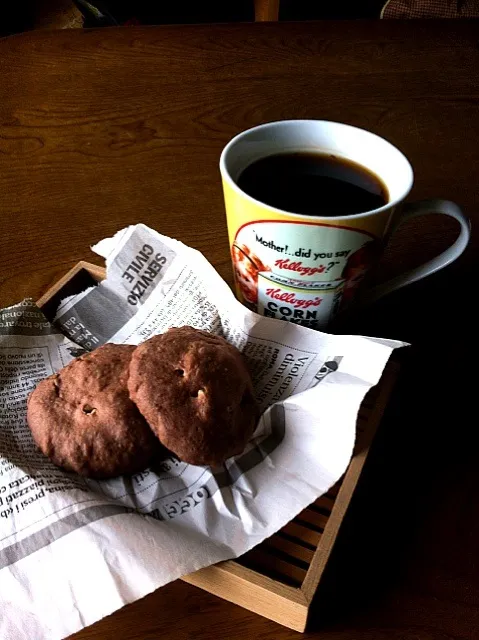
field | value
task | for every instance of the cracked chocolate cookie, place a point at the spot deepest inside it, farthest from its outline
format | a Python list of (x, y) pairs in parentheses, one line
[(195, 391)]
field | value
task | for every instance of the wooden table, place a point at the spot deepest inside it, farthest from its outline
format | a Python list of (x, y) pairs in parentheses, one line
[(106, 128)]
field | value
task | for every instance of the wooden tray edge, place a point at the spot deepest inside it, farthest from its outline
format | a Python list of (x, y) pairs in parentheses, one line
[(97, 272), (253, 591), (348, 484)]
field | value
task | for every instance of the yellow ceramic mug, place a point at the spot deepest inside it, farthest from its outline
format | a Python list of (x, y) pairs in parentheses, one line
[(303, 268)]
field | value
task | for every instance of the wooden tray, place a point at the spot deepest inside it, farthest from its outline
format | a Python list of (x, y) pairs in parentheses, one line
[(279, 577)]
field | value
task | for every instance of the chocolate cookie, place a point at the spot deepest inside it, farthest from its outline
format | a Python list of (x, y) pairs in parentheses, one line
[(196, 393), (82, 417)]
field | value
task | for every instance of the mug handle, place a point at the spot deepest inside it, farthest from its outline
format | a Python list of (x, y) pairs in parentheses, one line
[(414, 210)]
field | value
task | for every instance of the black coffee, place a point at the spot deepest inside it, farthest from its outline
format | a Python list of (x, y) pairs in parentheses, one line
[(313, 184)]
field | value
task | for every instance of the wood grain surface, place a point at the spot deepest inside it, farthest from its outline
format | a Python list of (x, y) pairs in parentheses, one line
[(100, 129)]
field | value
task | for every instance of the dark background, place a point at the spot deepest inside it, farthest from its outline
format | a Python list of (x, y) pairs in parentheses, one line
[(32, 14)]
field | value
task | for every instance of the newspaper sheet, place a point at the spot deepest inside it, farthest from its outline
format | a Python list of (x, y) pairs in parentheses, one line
[(73, 550)]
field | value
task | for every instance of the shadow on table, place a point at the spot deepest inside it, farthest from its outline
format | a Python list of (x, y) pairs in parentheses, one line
[(423, 449)]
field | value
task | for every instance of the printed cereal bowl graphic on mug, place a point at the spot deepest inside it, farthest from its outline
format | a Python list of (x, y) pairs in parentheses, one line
[(247, 266)]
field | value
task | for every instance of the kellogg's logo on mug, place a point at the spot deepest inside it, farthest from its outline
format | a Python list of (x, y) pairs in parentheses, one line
[(309, 207)]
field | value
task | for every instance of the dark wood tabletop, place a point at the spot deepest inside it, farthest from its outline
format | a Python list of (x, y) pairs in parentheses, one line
[(101, 129)]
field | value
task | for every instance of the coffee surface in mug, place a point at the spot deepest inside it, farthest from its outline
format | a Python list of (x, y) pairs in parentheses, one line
[(313, 184)]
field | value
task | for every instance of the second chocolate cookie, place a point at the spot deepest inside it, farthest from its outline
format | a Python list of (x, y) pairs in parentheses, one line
[(195, 391)]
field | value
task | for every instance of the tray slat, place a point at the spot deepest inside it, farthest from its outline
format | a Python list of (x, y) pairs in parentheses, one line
[(312, 519), (262, 560), (307, 535), (291, 549)]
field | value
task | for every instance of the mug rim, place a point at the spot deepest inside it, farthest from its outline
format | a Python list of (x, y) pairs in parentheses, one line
[(389, 205)]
